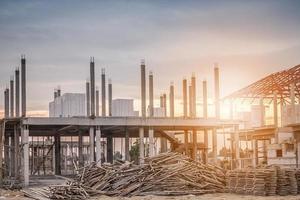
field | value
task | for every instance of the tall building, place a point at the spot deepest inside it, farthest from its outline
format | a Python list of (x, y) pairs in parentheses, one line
[(68, 105), (123, 108)]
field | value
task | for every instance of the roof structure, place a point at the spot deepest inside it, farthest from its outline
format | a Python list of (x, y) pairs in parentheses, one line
[(279, 82)]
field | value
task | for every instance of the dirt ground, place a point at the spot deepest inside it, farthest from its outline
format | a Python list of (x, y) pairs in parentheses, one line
[(11, 195)]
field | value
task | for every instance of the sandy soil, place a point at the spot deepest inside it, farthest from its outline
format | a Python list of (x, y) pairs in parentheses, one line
[(15, 195)]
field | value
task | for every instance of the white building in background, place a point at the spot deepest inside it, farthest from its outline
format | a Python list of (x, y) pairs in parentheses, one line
[(68, 105), (123, 108)]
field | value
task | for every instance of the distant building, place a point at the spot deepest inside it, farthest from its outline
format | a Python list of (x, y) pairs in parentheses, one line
[(68, 105), (157, 112), (123, 108)]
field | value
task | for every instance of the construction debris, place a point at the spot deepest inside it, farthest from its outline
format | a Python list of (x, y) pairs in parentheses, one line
[(165, 174)]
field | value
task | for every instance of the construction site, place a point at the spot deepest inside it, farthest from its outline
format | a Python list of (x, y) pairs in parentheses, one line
[(102, 146)]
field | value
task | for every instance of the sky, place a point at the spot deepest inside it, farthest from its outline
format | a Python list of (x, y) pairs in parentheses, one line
[(248, 39)]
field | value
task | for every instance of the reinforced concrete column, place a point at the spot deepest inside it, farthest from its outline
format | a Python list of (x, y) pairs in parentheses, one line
[(98, 146), (57, 147), (275, 111), (17, 77), (194, 153), (88, 99), (6, 154), (12, 154), (151, 98), (12, 99), (214, 145), (6, 103), (262, 111), (151, 142), (141, 145), (80, 149), (172, 100), (184, 92), (23, 88), (186, 142), (103, 92), (109, 149), (143, 88), (92, 144), (25, 143), (127, 157), (255, 152), (97, 102), (92, 79), (237, 147), (109, 98), (217, 91), (206, 144)]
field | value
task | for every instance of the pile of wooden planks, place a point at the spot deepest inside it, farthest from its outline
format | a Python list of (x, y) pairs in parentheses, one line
[(165, 174)]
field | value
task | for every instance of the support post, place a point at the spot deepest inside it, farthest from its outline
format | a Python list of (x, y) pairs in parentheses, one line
[(141, 145), (127, 157), (206, 145), (57, 154), (293, 107), (110, 148), (80, 149), (151, 98), (255, 152), (109, 98), (151, 142), (217, 91), (88, 99), (98, 146), (17, 77), (194, 153), (97, 102), (275, 110), (184, 86), (172, 100), (26, 155), (92, 144), (23, 80), (92, 79), (143, 88), (214, 145), (103, 93), (12, 99), (237, 147), (262, 111)]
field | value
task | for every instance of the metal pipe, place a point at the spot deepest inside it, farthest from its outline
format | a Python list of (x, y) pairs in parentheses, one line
[(109, 97), (92, 79), (151, 98), (103, 93), (17, 84), (12, 100), (23, 80), (88, 107), (143, 88)]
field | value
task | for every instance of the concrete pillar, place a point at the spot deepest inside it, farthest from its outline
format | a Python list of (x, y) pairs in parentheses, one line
[(92, 144), (205, 106), (80, 149), (262, 111), (97, 103), (141, 145), (103, 92), (57, 147), (16, 153), (109, 98), (25, 144), (293, 106), (194, 153), (194, 105), (206, 144), (127, 157), (217, 91), (172, 100), (255, 152), (151, 98), (151, 142), (237, 147), (184, 92), (17, 77), (109, 149), (23, 80), (12, 99), (165, 104), (191, 101), (98, 146), (88, 100), (214, 145), (6, 103), (186, 142), (143, 88), (92, 79), (12, 154), (6, 154)]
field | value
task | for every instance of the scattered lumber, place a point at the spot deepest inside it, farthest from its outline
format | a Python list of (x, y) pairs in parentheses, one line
[(165, 174)]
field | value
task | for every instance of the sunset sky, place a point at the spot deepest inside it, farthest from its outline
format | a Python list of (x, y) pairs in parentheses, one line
[(249, 40)]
